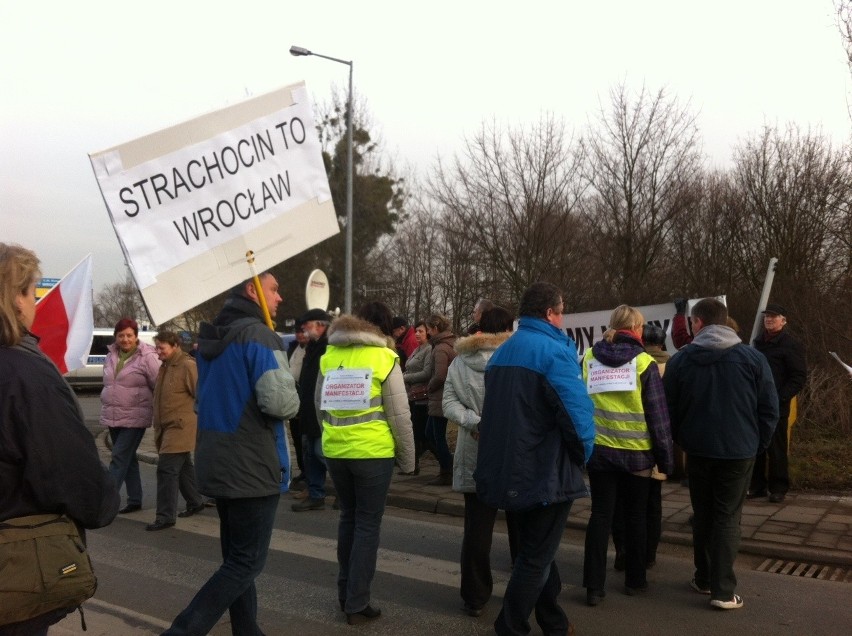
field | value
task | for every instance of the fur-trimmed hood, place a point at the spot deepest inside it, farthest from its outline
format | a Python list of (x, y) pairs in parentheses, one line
[(476, 350), (350, 330)]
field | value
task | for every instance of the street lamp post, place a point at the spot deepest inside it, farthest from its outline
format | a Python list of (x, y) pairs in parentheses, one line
[(350, 169)]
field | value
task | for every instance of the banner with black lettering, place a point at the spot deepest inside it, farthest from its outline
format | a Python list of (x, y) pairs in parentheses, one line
[(588, 328), (189, 201)]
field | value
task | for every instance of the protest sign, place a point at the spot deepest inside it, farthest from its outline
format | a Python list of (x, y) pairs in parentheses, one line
[(188, 202), (587, 328)]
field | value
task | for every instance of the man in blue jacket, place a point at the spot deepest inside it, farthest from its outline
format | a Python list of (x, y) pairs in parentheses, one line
[(536, 433), (723, 408), (245, 391)]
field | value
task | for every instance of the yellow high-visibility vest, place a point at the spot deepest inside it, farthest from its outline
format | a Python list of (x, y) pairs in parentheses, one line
[(358, 434), (619, 415)]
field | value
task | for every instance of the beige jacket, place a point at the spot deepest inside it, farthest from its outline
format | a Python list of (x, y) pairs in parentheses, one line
[(175, 422)]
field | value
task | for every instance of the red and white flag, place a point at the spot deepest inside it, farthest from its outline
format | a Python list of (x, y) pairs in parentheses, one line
[(64, 321)]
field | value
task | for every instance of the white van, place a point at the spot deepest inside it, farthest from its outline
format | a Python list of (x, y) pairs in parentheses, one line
[(92, 375)]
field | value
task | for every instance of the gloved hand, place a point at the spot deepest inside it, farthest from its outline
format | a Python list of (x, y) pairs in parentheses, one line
[(680, 305)]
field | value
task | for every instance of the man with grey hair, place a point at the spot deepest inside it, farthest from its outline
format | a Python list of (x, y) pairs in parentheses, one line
[(482, 305), (723, 408)]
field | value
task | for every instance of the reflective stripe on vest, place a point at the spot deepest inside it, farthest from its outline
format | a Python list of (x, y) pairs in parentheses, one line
[(355, 419), (363, 433), (619, 415)]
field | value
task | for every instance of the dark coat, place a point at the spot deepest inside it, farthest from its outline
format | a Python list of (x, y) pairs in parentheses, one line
[(722, 401), (786, 357), (307, 385), (536, 431), (48, 459)]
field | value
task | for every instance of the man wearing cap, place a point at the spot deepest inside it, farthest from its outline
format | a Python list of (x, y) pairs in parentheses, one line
[(315, 324), (786, 358)]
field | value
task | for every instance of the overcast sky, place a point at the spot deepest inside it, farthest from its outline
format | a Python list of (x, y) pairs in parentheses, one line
[(79, 77)]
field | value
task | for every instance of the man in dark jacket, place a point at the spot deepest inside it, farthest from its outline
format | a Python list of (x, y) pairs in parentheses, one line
[(314, 323), (536, 433), (723, 409), (245, 391), (786, 358)]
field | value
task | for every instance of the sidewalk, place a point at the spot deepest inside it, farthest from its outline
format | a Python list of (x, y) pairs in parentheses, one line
[(808, 528)]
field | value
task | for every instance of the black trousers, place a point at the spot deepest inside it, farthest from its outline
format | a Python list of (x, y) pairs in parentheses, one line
[(775, 459), (717, 489), (476, 580), (653, 517), (605, 486)]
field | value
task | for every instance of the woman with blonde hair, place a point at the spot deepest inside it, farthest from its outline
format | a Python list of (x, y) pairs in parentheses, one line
[(632, 433), (48, 459), (362, 436)]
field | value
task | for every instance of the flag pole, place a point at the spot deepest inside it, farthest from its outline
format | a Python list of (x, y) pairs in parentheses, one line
[(764, 298), (259, 290)]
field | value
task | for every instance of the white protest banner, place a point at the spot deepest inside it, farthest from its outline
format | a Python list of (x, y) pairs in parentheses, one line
[(188, 202), (588, 328)]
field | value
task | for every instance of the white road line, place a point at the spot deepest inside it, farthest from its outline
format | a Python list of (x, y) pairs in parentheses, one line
[(405, 564)]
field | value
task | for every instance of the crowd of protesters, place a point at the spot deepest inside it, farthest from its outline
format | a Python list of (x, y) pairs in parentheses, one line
[(534, 425)]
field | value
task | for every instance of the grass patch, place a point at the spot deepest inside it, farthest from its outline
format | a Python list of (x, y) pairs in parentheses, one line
[(821, 463)]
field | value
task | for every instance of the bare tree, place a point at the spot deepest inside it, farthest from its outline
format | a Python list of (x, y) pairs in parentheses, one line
[(699, 260), (119, 300), (405, 263), (508, 204), (843, 13), (795, 190), (643, 162)]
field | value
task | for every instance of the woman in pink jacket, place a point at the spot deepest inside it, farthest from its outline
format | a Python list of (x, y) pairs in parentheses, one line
[(130, 374)]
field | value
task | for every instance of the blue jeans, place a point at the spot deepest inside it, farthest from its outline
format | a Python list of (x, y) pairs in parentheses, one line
[(124, 467), (436, 432), (245, 527), (362, 486), (315, 468), (535, 582), (717, 489)]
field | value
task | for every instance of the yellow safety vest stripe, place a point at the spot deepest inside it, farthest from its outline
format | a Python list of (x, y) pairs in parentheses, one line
[(619, 415), (361, 433)]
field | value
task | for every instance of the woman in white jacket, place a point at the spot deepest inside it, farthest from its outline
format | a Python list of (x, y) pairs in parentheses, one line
[(464, 392)]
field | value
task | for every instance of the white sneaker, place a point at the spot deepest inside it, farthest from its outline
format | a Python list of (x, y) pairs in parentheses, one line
[(698, 588), (734, 603)]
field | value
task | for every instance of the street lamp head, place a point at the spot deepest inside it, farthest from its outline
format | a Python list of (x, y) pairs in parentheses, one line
[(298, 50)]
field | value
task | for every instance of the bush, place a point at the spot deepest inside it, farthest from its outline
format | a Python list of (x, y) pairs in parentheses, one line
[(821, 443)]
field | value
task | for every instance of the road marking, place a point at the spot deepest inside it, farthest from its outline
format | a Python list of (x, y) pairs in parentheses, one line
[(405, 564), (124, 612)]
